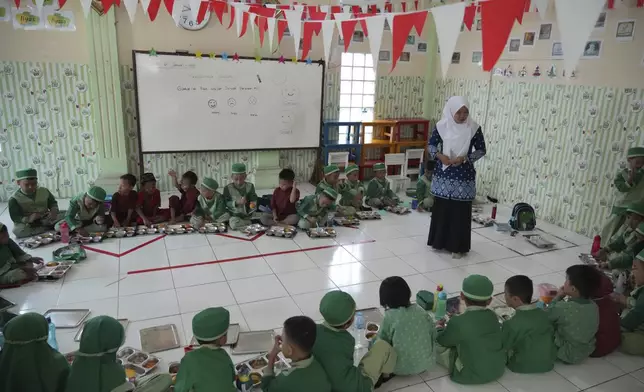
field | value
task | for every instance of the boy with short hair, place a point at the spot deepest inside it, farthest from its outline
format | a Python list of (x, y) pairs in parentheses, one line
[(334, 347), (124, 202), (622, 248), (528, 337), (314, 210), (182, 208), (149, 201), (297, 340), (379, 193), (209, 367), (472, 341), (424, 187), (210, 204), (240, 197), (576, 321), (632, 319), (86, 212), (352, 191), (283, 201), (331, 180), (32, 208)]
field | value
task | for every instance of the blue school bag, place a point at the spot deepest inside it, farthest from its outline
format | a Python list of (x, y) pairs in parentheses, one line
[(523, 217)]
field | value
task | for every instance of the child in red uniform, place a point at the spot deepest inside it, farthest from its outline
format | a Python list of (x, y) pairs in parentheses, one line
[(181, 209), (285, 196), (124, 202), (608, 335), (148, 201)]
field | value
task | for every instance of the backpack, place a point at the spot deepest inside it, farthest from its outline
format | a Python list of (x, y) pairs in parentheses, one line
[(523, 217)]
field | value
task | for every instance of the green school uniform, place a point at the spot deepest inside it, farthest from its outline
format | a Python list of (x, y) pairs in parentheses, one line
[(212, 209), (423, 192), (240, 215), (628, 194), (307, 374), (208, 368), (310, 207), (622, 250), (575, 322), (77, 215), (411, 332), (349, 190), (380, 189), (528, 338), (334, 350), (633, 324), (22, 205), (344, 207), (476, 346), (323, 185), (12, 257)]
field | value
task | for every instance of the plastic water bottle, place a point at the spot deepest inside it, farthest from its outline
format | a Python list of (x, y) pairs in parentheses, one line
[(441, 306), (64, 232), (359, 321), (439, 289), (596, 245), (51, 336)]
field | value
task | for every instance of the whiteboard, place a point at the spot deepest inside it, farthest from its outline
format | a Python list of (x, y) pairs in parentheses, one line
[(202, 104)]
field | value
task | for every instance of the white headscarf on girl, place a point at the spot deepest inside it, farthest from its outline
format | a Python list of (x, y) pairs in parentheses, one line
[(456, 137)]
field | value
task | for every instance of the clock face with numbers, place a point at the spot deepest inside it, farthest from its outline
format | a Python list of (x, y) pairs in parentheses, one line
[(189, 22)]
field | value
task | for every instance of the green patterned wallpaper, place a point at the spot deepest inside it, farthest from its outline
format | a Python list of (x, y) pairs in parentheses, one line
[(556, 147), (46, 122)]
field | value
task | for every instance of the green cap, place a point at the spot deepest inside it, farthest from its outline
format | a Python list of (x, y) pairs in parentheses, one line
[(337, 307), (331, 193), (330, 169), (636, 208), (379, 166), (640, 229), (210, 183), (635, 152), (640, 256), (97, 193), (425, 299), (239, 168), (351, 168), (477, 288), (210, 324), (26, 173)]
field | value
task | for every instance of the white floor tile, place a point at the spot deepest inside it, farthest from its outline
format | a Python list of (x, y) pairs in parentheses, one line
[(331, 256), (491, 251), (349, 236), (95, 266), (238, 249), (436, 372), (268, 244), (290, 262), (306, 281), (451, 279), (145, 283), (305, 242), (444, 384), (419, 282), (248, 268), (98, 307), (196, 275), (185, 241), (398, 382), (493, 271), (391, 266), (196, 298), (88, 289), (404, 246), (350, 274), (269, 314), (257, 289), (550, 381), (366, 295), (558, 260), (416, 388), (621, 384), (151, 256), (430, 261), (523, 266), (628, 363), (639, 375), (309, 303), (591, 372), (198, 254), (35, 295), (370, 251), (149, 305), (216, 240)]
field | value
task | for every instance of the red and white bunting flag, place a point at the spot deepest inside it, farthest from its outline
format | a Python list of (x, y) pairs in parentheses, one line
[(339, 18), (401, 26), (447, 19), (497, 19), (542, 8), (241, 17), (86, 4), (375, 25), (294, 19), (328, 26)]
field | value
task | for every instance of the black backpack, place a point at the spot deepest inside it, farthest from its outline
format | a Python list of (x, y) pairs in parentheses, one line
[(523, 217)]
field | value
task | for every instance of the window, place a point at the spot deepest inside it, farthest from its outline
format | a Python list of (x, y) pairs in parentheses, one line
[(357, 87)]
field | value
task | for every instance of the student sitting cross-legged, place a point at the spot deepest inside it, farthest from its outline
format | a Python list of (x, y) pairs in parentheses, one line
[(632, 319), (626, 243), (283, 202)]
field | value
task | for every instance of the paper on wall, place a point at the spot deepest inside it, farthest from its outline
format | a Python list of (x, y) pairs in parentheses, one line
[(5, 11), (27, 18), (59, 20)]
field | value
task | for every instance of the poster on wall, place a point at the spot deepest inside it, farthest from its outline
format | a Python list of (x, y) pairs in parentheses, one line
[(59, 20), (27, 18), (5, 11), (625, 30)]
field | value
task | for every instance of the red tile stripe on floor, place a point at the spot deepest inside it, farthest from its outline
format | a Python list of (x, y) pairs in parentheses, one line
[(241, 258), (105, 252)]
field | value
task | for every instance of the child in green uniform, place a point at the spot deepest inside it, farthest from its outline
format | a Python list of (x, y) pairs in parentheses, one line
[(379, 193), (27, 363), (86, 212), (16, 266), (208, 368), (424, 187), (32, 209), (211, 206), (352, 191), (576, 321), (334, 348), (331, 180), (629, 182), (314, 209), (632, 318), (528, 337), (297, 340), (472, 342), (240, 198), (406, 327), (621, 250)]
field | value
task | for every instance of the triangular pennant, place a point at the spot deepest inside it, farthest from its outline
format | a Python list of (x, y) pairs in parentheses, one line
[(204, 8), (468, 17), (281, 28), (328, 26), (261, 25), (447, 19), (522, 10), (542, 7), (107, 4), (294, 19), (153, 9), (376, 25), (576, 20), (145, 4), (347, 28), (177, 9), (497, 19), (401, 26), (325, 9), (61, 3), (339, 18), (39, 4), (86, 4), (241, 18), (130, 7), (169, 4), (219, 7), (251, 23), (310, 27), (270, 22)]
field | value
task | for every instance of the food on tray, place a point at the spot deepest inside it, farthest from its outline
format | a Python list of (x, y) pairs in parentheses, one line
[(371, 327), (370, 335), (256, 378), (52, 264), (242, 369), (150, 363), (137, 358), (130, 372), (173, 368), (125, 352), (258, 363)]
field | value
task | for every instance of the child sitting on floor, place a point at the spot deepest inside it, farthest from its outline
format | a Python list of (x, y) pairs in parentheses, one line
[(16, 266), (283, 201), (424, 187), (148, 201), (182, 208), (314, 210), (528, 337), (472, 342), (608, 337), (32, 208), (632, 319), (352, 191), (334, 347), (86, 212), (379, 193), (624, 247), (406, 327), (576, 321), (240, 197), (297, 340), (331, 180), (211, 206), (124, 202), (209, 367)]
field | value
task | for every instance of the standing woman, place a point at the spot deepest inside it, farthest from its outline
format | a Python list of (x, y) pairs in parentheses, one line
[(456, 143)]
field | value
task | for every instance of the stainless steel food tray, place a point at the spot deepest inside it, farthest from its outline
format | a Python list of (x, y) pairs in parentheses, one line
[(5, 304), (538, 241), (67, 318), (254, 342), (231, 337), (140, 362), (159, 338), (587, 259)]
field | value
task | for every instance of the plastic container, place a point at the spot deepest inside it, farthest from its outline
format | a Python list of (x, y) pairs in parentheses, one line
[(414, 203), (439, 289), (64, 233), (441, 306), (51, 335), (596, 245), (359, 321)]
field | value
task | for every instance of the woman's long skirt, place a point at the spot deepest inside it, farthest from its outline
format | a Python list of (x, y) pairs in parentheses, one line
[(451, 225)]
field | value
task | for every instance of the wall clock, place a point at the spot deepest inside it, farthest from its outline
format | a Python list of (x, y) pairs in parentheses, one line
[(189, 22)]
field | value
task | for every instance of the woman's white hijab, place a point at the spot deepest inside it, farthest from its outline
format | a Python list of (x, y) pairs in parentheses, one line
[(456, 137)]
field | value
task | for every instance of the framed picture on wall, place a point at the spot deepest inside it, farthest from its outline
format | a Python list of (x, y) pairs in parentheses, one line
[(625, 30), (545, 31), (477, 56), (479, 25), (592, 50), (411, 40), (358, 36), (421, 47), (515, 44), (601, 22), (557, 49), (456, 58), (405, 56), (384, 56), (529, 37)]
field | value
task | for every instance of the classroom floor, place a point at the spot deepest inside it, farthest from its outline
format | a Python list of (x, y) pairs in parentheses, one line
[(262, 286)]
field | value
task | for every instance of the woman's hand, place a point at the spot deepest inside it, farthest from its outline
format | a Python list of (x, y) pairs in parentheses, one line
[(458, 161), (444, 159)]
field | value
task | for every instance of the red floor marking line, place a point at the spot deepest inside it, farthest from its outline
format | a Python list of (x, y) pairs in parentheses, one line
[(251, 239), (105, 252), (135, 272)]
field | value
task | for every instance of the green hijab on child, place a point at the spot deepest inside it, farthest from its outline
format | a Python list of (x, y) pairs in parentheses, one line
[(27, 362)]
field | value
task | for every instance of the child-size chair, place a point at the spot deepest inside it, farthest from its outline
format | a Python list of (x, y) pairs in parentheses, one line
[(341, 159), (397, 180), (412, 155)]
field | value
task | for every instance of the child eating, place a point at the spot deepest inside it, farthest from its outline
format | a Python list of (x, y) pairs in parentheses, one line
[(124, 202), (379, 193), (148, 201), (16, 266), (210, 204), (181, 209), (632, 318), (314, 210), (240, 197), (625, 245), (472, 342), (86, 212), (576, 320), (297, 340), (331, 180), (285, 196), (352, 191), (528, 337), (32, 208), (208, 368), (424, 186)]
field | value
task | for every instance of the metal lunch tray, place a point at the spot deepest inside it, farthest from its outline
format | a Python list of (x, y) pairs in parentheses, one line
[(245, 367), (254, 342), (342, 221), (231, 337), (213, 228), (53, 272), (280, 231), (367, 215), (485, 221), (67, 318), (503, 227), (159, 338), (399, 210), (253, 229), (5, 304), (321, 232), (77, 337), (127, 357), (372, 315), (587, 259), (538, 241)]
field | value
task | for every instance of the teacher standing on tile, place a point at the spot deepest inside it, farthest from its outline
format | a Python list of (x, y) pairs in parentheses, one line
[(456, 143)]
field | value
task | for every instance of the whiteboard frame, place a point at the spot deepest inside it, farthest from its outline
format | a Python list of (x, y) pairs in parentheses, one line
[(320, 63)]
